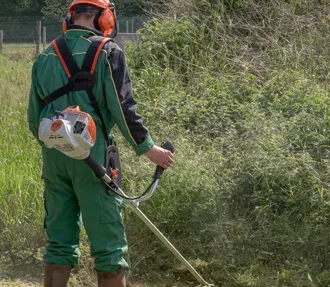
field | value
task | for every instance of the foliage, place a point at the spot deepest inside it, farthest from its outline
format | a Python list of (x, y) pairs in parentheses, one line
[(26, 7), (55, 10)]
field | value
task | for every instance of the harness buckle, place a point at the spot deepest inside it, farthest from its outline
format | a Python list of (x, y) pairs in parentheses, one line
[(82, 81)]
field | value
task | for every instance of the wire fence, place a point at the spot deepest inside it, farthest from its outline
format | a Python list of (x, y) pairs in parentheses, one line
[(32, 34)]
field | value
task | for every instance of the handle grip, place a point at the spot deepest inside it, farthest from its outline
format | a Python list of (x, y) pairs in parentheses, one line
[(159, 170)]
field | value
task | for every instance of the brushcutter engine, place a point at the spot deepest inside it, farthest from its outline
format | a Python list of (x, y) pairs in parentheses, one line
[(72, 132)]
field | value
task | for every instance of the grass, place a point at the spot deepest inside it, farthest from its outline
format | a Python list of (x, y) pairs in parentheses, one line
[(20, 158)]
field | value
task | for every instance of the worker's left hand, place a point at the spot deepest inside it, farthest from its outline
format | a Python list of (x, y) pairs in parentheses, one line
[(162, 157)]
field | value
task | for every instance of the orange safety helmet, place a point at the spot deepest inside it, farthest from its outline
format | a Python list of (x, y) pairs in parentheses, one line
[(104, 21), (103, 4)]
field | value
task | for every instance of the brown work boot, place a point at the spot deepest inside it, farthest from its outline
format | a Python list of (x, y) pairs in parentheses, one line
[(111, 279), (56, 275)]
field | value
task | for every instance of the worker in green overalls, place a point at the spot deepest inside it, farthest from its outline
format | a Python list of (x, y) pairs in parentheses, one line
[(73, 194)]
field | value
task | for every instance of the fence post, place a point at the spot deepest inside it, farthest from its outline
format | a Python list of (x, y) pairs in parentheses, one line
[(133, 27), (1, 41), (38, 40), (44, 35), (127, 27), (118, 27)]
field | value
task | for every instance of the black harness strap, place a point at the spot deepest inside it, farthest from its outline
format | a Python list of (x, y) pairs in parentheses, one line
[(89, 63), (57, 94), (80, 79), (96, 108), (94, 49), (69, 65), (66, 55)]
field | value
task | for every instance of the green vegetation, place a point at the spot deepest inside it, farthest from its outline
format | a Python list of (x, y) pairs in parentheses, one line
[(55, 10), (241, 88), (21, 8)]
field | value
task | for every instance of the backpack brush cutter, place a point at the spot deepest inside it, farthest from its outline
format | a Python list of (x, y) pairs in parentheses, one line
[(73, 133)]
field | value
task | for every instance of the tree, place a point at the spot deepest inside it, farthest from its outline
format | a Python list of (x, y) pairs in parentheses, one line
[(21, 7), (55, 10), (131, 8)]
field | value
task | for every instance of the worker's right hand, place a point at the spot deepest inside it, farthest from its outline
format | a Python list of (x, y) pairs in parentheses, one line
[(162, 157)]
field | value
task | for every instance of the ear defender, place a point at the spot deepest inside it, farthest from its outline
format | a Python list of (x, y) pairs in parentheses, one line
[(66, 22), (105, 20)]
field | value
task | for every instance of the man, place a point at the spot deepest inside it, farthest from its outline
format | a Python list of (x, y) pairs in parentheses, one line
[(72, 192)]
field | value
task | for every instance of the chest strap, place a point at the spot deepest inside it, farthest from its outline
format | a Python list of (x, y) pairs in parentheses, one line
[(80, 79)]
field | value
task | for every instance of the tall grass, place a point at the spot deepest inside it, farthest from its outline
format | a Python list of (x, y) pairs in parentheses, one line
[(20, 184)]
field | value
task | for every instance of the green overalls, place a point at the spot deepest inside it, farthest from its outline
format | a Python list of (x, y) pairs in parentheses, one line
[(73, 194)]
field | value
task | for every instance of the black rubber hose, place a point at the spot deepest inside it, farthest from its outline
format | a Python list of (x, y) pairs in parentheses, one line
[(99, 170)]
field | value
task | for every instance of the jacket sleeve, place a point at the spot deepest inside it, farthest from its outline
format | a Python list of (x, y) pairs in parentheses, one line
[(36, 105), (121, 103)]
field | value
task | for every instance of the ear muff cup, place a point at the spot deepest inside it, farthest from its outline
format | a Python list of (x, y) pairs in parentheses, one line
[(66, 22), (105, 20)]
